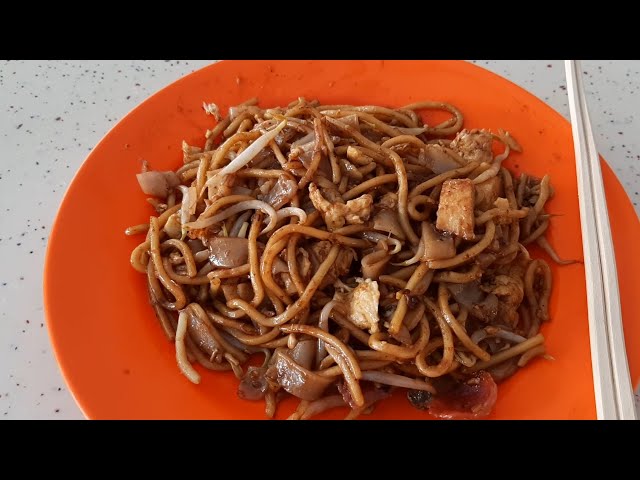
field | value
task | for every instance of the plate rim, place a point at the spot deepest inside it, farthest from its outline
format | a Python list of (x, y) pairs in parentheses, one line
[(57, 224)]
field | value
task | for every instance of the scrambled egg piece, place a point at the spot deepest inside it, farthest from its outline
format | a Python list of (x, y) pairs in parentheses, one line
[(335, 214), (473, 145), (362, 304)]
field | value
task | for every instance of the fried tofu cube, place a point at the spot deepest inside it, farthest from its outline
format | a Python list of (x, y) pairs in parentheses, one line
[(488, 192), (455, 210)]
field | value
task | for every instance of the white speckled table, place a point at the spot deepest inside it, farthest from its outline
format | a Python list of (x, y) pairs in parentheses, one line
[(53, 113)]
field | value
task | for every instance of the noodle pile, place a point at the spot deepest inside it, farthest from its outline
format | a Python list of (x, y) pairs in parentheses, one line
[(357, 249)]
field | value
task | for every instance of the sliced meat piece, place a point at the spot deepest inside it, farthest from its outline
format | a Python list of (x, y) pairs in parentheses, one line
[(228, 252), (386, 220), (202, 336), (455, 210), (281, 192), (304, 353), (470, 295), (437, 158), (253, 385), (157, 184), (297, 380), (437, 246), (474, 398)]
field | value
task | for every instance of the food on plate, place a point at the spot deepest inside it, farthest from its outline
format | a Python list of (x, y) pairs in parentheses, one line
[(357, 250)]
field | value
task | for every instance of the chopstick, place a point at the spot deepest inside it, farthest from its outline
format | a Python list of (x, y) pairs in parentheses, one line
[(612, 381)]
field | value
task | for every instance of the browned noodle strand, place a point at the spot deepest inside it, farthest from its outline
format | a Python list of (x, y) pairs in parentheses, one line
[(334, 232)]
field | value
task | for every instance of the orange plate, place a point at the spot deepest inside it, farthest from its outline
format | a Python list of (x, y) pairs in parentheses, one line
[(110, 347)]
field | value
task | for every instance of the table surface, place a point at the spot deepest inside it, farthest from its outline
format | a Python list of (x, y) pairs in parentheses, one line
[(54, 112)]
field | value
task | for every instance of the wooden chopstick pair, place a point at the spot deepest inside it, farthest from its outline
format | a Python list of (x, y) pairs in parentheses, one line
[(612, 382)]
